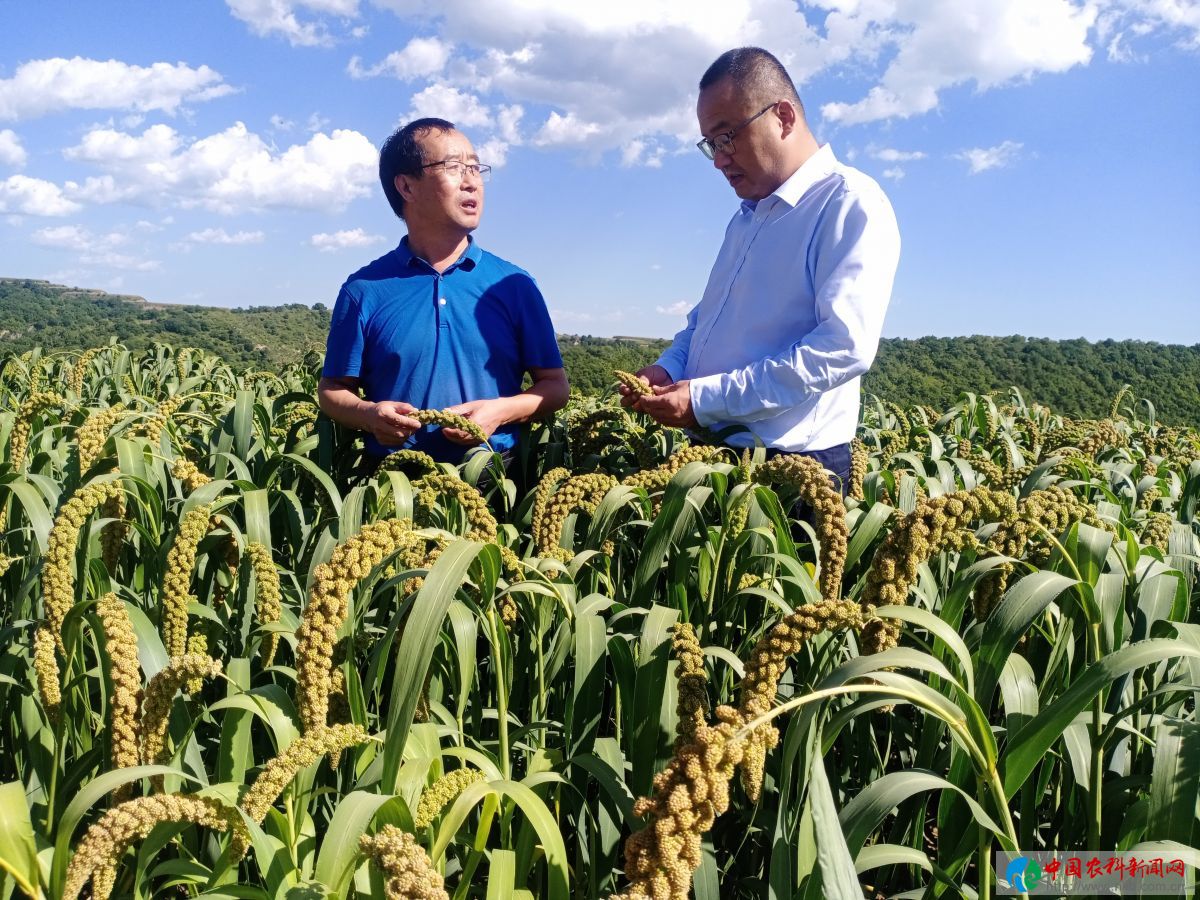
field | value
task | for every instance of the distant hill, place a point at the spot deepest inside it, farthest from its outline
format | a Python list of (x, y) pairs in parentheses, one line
[(42, 314), (1075, 377)]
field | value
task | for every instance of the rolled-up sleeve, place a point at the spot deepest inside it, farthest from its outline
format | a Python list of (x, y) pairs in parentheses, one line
[(852, 260)]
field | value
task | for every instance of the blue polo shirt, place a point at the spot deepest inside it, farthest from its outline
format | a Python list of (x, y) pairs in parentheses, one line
[(435, 340)]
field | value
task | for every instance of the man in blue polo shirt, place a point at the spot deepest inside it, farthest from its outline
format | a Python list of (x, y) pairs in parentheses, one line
[(438, 323)]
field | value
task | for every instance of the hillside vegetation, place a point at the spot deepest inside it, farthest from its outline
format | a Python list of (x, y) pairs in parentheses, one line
[(1076, 377)]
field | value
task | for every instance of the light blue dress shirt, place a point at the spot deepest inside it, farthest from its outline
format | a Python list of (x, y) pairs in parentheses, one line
[(793, 310)]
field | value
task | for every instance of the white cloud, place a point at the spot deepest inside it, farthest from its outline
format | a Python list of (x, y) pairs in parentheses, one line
[(566, 130), (493, 153), (221, 236), (279, 123), (268, 18), (942, 43), (48, 85), (230, 172), (34, 197), (95, 250), (11, 151), (611, 72), (679, 308), (420, 58), (341, 240), (639, 152), (889, 154), (981, 159), (68, 236), (106, 259), (1128, 20), (445, 102), (895, 173), (508, 123)]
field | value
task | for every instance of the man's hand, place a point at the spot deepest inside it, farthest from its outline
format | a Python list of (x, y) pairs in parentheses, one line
[(655, 376), (487, 414), (671, 405), (390, 423)]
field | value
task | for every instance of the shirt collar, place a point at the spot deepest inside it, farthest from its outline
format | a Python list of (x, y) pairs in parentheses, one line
[(816, 167), (468, 261)]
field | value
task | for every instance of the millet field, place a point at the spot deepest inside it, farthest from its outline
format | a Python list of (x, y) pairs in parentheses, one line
[(232, 668)]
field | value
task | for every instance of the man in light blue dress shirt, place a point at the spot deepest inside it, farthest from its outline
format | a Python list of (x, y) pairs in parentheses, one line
[(791, 316)]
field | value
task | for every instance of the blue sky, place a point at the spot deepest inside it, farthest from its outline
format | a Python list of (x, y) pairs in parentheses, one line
[(1043, 156)]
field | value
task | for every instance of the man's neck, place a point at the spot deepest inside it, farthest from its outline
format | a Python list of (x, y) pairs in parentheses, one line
[(806, 148), (441, 251)]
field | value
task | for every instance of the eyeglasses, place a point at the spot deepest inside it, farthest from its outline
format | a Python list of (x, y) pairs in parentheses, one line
[(723, 143), (457, 169)]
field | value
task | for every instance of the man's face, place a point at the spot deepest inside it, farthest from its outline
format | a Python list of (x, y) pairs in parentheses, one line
[(440, 198), (754, 167)]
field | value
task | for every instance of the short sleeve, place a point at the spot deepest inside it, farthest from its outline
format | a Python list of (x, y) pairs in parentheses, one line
[(344, 347), (539, 344)]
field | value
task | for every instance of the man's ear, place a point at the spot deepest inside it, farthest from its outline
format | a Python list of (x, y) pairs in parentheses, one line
[(788, 117), (403, 185)]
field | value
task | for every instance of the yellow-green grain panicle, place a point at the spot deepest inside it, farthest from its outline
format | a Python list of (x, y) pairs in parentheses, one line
[(766, 665), (583, 492), (1115, 412), (328, 604), (688, 796), (98, 853), (18, 438), (180, 672), (417, 459), (1157, 532), (545, 490), (113, 536), (58, 567), (589, 435), (45, 668), (1049, 511), (442, 793), (301, 753), (446, 419), (79, 371), (410, 875), (860, 458), (268, 598), (120, 659), (189, 474), (692, 683), (811, 481), (91, 436), (635, 384), (935, 526), (154, 425), (657, 478), (177, 582), (481, 523)]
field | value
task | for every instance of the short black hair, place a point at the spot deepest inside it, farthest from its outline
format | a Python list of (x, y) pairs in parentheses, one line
[(755, 71), (401, 154)]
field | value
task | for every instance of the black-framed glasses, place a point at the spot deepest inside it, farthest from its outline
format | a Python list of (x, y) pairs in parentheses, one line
[(457, 169), (723, 142)]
